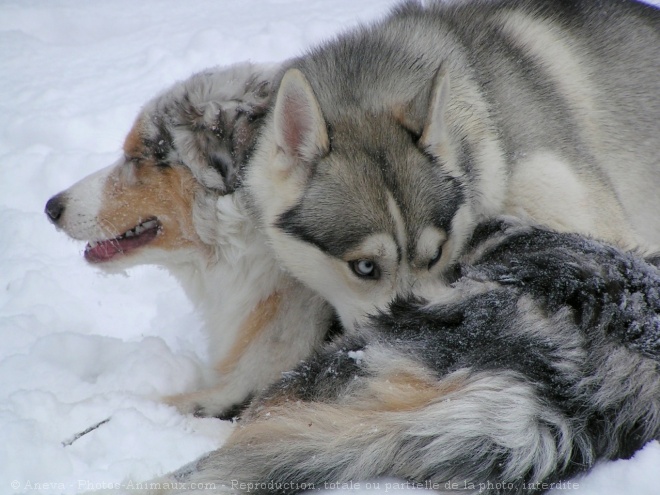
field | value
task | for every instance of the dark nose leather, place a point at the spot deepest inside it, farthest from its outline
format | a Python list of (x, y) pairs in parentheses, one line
[(55, 208)]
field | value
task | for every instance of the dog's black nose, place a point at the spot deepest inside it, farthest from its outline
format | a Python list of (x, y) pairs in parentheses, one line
[(55, 208)]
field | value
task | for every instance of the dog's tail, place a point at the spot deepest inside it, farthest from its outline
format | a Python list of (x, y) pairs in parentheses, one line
[(473, 432)]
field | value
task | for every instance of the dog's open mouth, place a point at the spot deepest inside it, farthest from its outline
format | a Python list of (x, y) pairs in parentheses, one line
[(138, 236)]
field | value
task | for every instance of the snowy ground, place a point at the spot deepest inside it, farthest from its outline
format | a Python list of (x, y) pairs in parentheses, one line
[(77, 346)]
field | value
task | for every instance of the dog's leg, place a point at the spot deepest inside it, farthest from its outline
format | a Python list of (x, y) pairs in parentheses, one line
[(217, 402), (280, 331)]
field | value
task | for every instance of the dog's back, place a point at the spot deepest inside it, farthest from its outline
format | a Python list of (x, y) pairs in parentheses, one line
[(388, 144), (561, 84)]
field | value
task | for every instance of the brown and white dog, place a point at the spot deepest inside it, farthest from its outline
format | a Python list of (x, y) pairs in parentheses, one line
[(170, 200)]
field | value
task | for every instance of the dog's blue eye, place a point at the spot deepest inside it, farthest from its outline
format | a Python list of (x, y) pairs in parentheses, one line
[(365, 269), (435, 257)]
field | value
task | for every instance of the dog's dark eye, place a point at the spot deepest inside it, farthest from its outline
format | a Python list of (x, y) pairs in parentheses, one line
[(133, 160), (435, 258), (158, 151), (160, 154), (365, 269)]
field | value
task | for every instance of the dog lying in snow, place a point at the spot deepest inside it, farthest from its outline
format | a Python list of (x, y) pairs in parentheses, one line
[(537, 356), (168, 201)]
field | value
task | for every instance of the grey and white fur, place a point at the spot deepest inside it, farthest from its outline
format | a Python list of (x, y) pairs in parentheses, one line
[(539, 358), (386, 145)]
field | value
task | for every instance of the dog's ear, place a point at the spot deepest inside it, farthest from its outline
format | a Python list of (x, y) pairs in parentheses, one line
[(435, 129), (215, 126), (235, 130), (300, 129), (424, 115)]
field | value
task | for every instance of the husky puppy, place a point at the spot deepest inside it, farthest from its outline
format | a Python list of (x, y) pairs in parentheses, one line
[(170, 200), (388, 144), (541, 358)]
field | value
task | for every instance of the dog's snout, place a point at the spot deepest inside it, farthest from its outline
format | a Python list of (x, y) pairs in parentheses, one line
[(55, 208)]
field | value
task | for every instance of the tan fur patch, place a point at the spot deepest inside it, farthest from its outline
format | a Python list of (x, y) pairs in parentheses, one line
[(188, 402), (255, 323), (133, 140), (383, 400), (135, 192), (406, 391), (285, 418)]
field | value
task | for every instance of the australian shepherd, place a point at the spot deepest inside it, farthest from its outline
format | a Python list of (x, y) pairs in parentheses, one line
[(168, 200)]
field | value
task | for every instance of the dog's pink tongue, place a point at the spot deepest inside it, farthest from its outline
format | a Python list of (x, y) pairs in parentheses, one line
[(106, 250), (103, 251)]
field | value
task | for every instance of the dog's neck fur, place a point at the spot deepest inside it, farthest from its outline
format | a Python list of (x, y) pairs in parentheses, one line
[(260, 320), (238, 274)]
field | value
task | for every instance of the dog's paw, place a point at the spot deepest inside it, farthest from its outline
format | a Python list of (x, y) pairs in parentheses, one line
[(186, 404), (206, 404)]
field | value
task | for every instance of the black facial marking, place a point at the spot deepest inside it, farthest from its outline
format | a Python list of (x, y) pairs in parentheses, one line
[(158, 148), (292, 223)]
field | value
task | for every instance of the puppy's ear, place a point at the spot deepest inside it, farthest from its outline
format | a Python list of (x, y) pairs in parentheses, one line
[(435, 129), (218, 121), (247, 121), (300, 129), (424, 115)]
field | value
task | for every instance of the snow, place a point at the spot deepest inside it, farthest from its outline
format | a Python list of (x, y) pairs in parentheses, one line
[(79, 347)]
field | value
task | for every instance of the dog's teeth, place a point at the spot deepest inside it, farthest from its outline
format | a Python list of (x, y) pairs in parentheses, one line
[(93, 244), (138, 230)]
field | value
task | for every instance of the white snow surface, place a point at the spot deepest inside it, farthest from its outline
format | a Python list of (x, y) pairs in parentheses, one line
[(78, 346)]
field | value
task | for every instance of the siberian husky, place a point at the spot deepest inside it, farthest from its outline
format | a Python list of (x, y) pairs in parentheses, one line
[(170, 200), (388, 144)]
